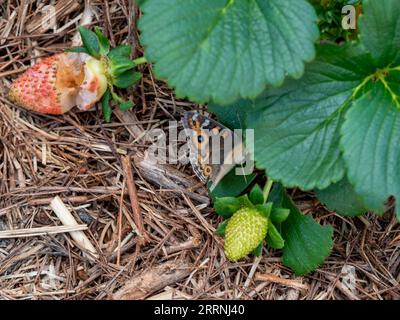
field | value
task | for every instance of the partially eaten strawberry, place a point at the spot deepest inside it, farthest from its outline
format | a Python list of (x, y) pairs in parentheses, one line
[(81, 77), (60, 82)]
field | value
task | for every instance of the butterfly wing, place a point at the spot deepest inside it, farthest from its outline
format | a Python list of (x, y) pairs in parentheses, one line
[(192, 124), (202, 133)]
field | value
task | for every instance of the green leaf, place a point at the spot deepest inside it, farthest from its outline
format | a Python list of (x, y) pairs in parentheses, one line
[(127, 79), (120, 65), (342, 198), (276, 195), (232, 185), (77, 49), (307, 243), (279, 215), (116, 98), (103, 41), (140, 2), (221, 50), (220, 231), (123, 105), (265, 209), (126, 105), (274, 238), (226, 206), (370, 143), (233, 116), (245, 201), (297, 127), (256, 195), (105, 105), (122, 51), (90, 41), (380, 30), (258, 251)]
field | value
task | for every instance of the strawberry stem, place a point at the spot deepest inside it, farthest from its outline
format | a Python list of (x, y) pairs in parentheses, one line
[(140, 60), (267, 189)]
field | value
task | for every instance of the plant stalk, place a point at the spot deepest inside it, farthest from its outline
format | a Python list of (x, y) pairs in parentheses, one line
[(267, 189), (140, 60)]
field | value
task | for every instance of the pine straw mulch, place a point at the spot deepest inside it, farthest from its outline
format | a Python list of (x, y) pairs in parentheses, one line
[(99, 172)]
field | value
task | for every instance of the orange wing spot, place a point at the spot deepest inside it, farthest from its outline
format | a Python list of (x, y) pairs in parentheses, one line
[(207, 170)]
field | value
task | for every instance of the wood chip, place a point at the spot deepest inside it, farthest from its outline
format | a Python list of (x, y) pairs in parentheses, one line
[(67, 219), (40, 231), (297, 284)]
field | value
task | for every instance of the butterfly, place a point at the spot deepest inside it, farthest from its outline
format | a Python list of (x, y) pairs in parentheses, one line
[(214, 149)]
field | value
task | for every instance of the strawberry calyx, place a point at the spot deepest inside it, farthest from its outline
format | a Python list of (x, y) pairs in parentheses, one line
[(112, 67)]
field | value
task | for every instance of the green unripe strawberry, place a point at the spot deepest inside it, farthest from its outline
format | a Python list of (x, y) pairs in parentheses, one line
[(244, 232)]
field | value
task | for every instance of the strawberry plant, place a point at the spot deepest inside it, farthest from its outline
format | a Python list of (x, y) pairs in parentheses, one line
[(330, 19), (326, 117), (270, 217)]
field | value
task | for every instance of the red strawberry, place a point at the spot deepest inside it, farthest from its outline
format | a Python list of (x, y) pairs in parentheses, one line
[(58, 83)]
